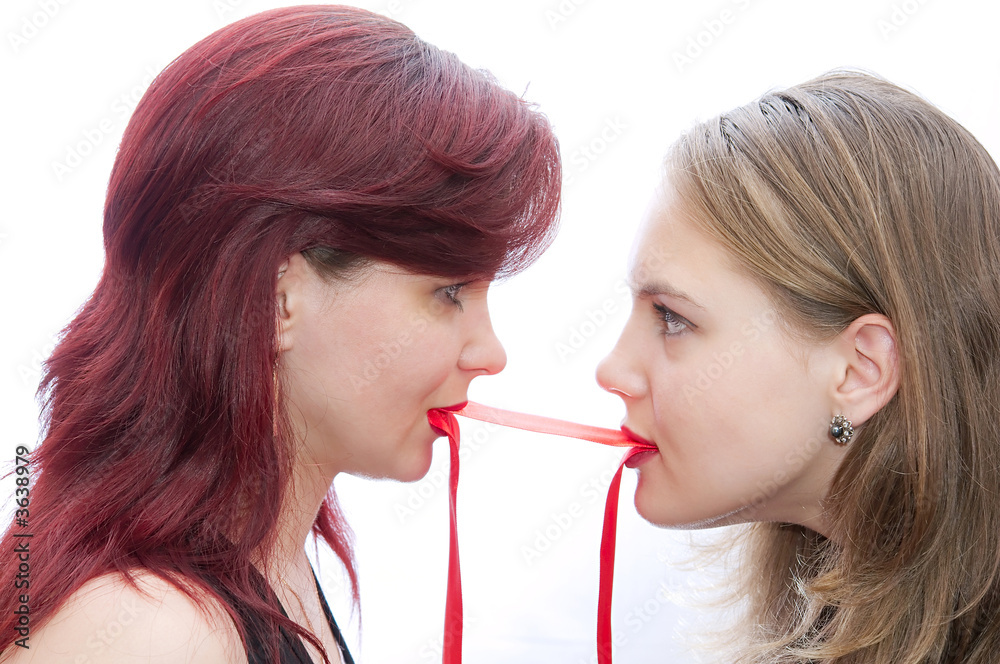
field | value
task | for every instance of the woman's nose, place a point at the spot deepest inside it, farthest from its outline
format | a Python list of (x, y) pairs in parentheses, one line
[(484, 353), (616, 373)]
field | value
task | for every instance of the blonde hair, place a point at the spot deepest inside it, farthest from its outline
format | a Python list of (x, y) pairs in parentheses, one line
[(843, 196)]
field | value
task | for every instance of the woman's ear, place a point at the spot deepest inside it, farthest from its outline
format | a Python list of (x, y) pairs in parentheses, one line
[(870, 367), (288, 297)]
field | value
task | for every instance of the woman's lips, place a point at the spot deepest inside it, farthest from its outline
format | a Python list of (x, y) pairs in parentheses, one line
[(453, 407), (642, 442), (648, 448), (638, 459)]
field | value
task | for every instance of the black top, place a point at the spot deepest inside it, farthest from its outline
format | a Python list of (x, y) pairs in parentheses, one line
[(291, 648)]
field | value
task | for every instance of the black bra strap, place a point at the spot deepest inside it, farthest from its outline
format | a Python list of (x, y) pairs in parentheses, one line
[(337, 636)]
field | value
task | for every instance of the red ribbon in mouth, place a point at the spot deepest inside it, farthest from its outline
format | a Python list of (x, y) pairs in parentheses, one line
[(443, 421)]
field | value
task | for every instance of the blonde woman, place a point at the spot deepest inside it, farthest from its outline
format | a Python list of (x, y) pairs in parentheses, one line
[(813, 349)]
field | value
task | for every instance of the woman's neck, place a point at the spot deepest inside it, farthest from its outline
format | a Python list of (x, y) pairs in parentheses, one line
[(304, 497)]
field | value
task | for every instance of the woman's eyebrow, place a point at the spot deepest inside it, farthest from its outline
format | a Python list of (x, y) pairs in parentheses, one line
[(650, 289)]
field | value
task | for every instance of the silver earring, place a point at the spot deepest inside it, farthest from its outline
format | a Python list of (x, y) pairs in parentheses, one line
[(841, 430)]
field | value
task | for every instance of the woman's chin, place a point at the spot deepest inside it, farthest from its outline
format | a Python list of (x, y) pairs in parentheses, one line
[(664, 514), (649, 510), (399, 468), (654, 514), (662, 509), (414, 467)]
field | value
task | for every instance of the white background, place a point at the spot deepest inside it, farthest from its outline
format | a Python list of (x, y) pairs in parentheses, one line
[(619, 81)]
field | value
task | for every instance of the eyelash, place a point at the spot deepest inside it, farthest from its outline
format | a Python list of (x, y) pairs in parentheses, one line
[(668, 318), (451, 292)]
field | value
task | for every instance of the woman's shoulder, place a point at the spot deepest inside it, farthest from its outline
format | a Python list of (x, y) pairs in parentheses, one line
[(111, 621)]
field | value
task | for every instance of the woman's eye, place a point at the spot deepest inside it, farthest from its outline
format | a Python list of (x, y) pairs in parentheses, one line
[(671, 322), (452, 292)]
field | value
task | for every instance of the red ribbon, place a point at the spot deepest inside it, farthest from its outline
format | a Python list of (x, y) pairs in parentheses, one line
[(443, 421)]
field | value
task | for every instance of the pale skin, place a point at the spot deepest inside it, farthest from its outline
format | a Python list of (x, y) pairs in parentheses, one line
[(738, 407), (358, 406)]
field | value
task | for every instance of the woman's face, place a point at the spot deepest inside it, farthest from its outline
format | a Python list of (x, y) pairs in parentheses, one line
[(365, 359), (737, 409)]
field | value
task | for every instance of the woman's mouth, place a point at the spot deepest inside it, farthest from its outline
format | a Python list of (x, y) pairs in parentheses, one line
[(640, 458), (642, 442), (454, 407), (649, 449)]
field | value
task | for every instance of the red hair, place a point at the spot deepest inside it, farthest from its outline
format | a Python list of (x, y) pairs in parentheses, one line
[(318, 127)]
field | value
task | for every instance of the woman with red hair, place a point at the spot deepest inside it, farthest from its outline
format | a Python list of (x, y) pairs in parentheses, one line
[(304, 217)]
